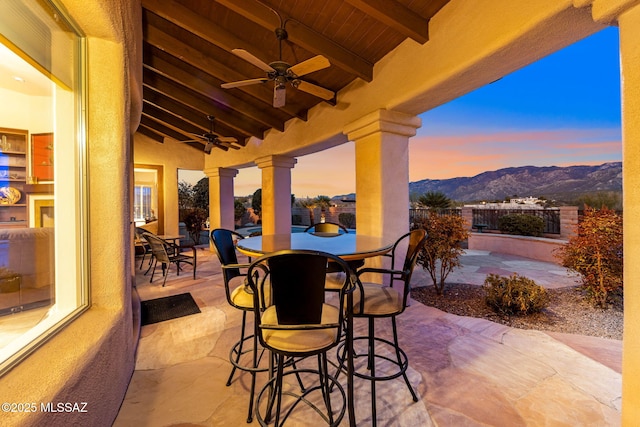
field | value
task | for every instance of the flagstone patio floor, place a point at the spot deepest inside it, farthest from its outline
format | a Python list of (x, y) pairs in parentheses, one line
[(466, 371)]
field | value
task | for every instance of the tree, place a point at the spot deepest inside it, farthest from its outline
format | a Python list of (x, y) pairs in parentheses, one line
[(310, 205), (610, 199), (256, 201), (435, 200), (238, 209), (185, 195), (441, 254), (201, 194), (596, 253), (323, 202)]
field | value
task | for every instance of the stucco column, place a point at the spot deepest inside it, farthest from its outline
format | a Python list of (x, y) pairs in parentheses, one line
[(382, 171), (221, 207), (629, 23), (276, 193)]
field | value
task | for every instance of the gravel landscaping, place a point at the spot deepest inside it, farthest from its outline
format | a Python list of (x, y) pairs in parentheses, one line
[(568, 310)]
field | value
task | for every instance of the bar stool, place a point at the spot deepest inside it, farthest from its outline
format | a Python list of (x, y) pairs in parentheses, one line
[(239, 296), (296, 322), (374, 301)]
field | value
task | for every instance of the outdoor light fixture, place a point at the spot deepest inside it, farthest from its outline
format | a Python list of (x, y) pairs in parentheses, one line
[(208, 147)]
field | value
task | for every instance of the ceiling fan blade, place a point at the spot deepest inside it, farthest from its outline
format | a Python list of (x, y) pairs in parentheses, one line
[(229, 139), (192, 140), (243, 83), (309, 66), (315, 90), (279, 95), (250, 58)]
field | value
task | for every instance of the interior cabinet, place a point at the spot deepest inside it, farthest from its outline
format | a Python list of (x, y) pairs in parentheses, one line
[(13, 175)]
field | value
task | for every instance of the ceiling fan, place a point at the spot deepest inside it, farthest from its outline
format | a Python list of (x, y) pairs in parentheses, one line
[(212, 138), (282, 73)]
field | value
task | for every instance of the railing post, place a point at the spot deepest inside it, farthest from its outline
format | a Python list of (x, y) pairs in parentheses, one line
[(467, 215), (568, 221)]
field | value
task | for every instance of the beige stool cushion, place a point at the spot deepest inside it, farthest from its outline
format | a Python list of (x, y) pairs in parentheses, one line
[(297, 340), (241, 296), (378, 300), (335, 281)]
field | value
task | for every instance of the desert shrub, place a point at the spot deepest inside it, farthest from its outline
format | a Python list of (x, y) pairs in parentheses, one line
[(441, 254), (347, 219), (514, 294), (521, 224), (595, 252), (194, 220)]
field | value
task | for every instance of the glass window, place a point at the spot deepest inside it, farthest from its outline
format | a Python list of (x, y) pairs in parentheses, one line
[(145, 203), (43, 276)]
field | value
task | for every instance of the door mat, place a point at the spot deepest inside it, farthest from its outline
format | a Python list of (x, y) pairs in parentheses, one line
[(166, 308)]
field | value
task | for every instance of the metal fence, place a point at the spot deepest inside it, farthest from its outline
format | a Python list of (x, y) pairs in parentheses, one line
[(491, 217), (419, 215)]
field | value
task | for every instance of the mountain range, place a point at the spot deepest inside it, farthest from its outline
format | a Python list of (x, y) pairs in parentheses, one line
[(552, 182)]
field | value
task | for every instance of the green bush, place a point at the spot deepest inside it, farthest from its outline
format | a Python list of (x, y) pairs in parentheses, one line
[(514, 294), (347, 219), (521, 224), (296, 219)]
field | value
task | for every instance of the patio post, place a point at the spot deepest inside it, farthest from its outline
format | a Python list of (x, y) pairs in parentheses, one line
[(276, 193), (382, 171), (221, 207), (382, 175), (627, 16)]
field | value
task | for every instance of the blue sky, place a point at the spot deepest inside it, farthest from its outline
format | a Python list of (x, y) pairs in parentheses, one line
[(562, 110)]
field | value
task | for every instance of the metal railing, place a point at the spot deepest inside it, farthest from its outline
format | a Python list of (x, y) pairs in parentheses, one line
[(420, 214), (491, 217)]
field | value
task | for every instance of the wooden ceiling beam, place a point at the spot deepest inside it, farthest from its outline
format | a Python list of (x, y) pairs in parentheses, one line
[(206, 64), (193, 101), (175, 123), (231, 121), (150, 133), (171, 122), (224, 100), (151, 123), (304, 37), (187, 114), (396, 16)]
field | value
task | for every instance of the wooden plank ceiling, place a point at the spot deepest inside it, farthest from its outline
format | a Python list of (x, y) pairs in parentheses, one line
[(188, 55)]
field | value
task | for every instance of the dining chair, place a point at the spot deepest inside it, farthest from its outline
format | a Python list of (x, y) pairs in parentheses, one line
[(374, 301), (239, 296), (142, 245), (334, 278), (293, 320), (326, 227), (168, 253)]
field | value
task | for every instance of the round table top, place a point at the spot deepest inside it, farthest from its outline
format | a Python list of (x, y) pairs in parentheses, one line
[(347, 246)]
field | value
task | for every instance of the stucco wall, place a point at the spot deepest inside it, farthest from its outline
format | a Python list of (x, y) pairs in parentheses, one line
[(538, 248), (171, 155), (91, 360)]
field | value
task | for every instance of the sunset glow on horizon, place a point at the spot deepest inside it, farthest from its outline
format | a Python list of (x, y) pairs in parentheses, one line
[(562, 110)]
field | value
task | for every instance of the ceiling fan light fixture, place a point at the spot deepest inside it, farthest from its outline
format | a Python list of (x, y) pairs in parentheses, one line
[(279, 95), (281, 72), (208, 147)]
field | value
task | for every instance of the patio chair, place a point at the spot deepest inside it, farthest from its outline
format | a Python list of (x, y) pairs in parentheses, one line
[(334, 276), (373, 301), (293, 321), (326, 227), (239, 296), (168, 253), (142, 246)]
